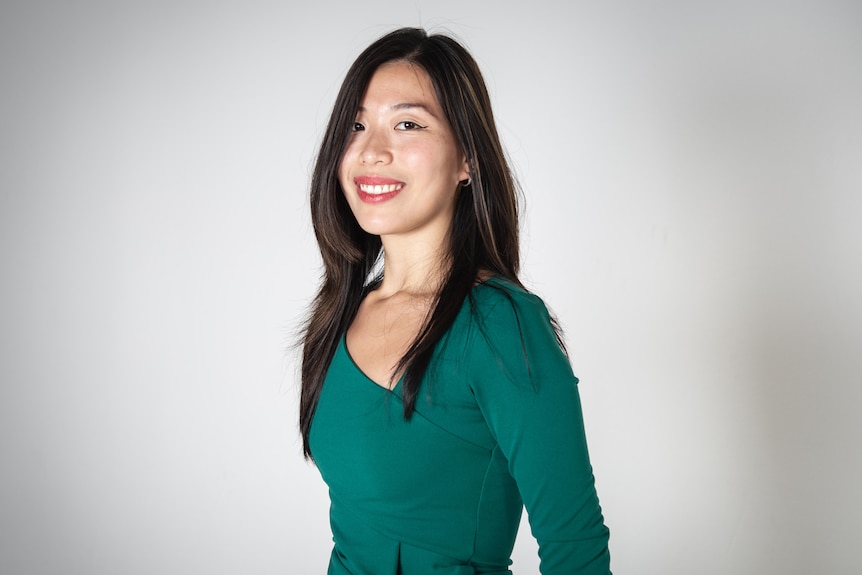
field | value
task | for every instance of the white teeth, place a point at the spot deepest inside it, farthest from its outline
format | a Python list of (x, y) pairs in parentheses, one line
[(380, 189)]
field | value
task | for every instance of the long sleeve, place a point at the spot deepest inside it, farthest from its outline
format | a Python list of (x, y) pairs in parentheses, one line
[(528, 395)]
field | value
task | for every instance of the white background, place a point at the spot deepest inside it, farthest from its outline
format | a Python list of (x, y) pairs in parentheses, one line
[(693, 183)]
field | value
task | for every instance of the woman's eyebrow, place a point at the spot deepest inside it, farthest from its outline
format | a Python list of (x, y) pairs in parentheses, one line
[(407, 106)]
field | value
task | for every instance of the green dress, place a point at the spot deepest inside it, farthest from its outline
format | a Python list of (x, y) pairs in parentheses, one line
[(497, 426)]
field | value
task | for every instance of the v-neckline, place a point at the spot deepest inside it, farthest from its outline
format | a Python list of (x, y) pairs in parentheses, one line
[(362, 373), (492, 279)]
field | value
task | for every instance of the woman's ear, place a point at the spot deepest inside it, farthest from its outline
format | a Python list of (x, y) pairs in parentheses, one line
[(464, 173)]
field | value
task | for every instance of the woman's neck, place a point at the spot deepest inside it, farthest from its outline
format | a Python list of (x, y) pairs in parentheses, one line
[(411, 267)]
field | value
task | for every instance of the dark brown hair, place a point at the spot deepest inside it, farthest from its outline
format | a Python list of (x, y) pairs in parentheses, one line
[(483, 236)]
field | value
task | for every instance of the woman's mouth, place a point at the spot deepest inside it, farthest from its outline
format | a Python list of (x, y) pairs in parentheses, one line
[(374, 190)]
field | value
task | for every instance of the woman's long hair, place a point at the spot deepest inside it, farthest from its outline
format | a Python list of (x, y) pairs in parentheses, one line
[(484, 232)]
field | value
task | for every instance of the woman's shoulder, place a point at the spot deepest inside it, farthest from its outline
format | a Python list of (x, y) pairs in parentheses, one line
[(516, 332), (512, 316), (501, 295)]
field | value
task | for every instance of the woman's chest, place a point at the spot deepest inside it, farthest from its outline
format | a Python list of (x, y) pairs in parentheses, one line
[(361, 440)]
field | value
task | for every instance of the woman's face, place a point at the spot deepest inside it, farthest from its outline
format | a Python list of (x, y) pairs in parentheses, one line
[(402, 167)]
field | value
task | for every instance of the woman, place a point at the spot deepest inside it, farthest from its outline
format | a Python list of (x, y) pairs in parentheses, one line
[(437, 400)]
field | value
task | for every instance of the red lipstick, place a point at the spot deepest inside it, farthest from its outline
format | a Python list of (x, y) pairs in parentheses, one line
[(376, 189)]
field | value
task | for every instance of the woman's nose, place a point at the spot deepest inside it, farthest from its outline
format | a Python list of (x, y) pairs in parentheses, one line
[(376, 148)]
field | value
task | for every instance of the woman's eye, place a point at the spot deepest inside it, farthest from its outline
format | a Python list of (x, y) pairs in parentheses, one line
[(408, 125), (357, 127)]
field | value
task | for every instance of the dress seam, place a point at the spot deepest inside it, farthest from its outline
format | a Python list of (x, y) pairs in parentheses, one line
[(481, 499)]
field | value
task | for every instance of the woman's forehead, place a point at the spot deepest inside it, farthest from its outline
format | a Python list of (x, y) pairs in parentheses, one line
[(400, 84)]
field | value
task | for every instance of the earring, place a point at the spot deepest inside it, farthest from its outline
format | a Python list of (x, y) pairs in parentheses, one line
[(466, 183)]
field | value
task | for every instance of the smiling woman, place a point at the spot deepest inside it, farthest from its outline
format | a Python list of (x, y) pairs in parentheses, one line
[(437, 398), (402, 166)]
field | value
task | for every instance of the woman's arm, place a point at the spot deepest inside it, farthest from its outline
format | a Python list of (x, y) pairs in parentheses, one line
[(527, 392)]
